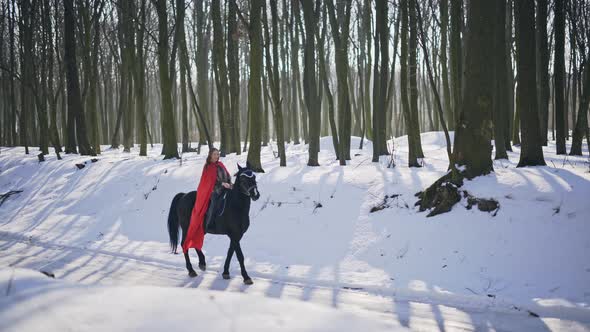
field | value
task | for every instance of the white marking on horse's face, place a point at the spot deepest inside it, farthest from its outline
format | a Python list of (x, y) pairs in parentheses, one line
[(248, 174)]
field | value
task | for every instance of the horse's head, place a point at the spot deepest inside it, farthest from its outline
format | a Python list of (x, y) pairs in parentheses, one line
[(246, 181)]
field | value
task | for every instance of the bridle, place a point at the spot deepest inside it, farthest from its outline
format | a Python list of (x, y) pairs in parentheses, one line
[(248, 174)]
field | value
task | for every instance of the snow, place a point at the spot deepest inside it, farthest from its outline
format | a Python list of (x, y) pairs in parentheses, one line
[(101, 230), (97, 308)]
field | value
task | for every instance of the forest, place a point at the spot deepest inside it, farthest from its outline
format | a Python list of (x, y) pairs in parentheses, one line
[(78, 74), (372, 165)]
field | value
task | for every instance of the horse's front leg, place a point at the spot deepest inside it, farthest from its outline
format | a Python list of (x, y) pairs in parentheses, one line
[(238, 248), (202, 263), (230, 253), (189, 266)]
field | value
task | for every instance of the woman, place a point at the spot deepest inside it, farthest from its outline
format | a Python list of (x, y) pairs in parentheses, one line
[(214, 179)]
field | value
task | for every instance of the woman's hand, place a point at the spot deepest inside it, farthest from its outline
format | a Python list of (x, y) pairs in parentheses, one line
[(226, 185)]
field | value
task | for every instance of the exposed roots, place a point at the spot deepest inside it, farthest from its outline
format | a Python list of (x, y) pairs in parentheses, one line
[(443, 194), (483, 204)]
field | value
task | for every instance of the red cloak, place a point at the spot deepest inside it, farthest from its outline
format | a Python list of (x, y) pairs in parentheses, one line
[(196, 233)]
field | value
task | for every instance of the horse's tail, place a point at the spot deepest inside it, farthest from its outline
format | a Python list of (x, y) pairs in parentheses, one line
[(173, 226)]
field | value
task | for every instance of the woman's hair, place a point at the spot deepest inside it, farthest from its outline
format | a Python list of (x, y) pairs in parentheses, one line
[(210, 155)]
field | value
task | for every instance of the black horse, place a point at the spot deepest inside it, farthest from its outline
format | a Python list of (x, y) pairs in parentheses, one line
[(233, 222)]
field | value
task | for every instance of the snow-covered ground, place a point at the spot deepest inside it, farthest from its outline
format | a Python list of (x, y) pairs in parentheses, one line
[(319, 258)]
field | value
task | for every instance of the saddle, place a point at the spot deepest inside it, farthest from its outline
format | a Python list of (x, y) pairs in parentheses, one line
[(216, 209), (220, 205)]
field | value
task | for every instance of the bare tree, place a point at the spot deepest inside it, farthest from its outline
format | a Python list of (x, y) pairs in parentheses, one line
[(531, 152), (169, 147), (76, 119), (340, 23), (310, 15), (559, 75)]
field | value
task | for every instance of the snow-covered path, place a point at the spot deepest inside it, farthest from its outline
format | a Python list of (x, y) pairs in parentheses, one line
[(391, 311), (313, 243)]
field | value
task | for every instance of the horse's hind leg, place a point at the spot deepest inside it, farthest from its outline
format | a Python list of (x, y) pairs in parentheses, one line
[(189, 266), (202, 263), (238, 248), (230, 253)]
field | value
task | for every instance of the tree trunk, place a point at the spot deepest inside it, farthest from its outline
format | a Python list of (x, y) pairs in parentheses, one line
[(294, 114), (254, 89), (531, 152), (414, 129), (474, 129), (4, 130), (233, 66), (44, 96), (435, 90), (94, 90), (323, 68), (310, 91), (340, 32), (75, 109), (285, 78), (12, 46), (273, 75), (141, 125), (444, 21), (223, 107), (366, 19), (202, 66), (559, 75), (169, 146), (456, 63), (510, 75), (390, 102), (516, 121), (500, 112), (184, 67), (542, 57), (361, 68), (127, 45), (412, 156), (275, 85), (89, 45), (27, 11), (380, 80), (581, 127)]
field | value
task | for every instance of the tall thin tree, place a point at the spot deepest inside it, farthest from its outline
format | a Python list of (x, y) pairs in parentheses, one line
[(273, 70), (531, 152), (474, 130), (500, 112), (559, 75), (412, 153), (254, 85), (169, 146), (380, 79), (76, 119), (312, 102), (542, 53), (456, 62), (340, 24)]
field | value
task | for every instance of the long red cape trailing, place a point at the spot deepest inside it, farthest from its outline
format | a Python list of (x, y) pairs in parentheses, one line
[(196, 233)]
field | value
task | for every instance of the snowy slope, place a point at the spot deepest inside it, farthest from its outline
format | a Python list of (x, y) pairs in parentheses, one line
[(105, 224), (65, 306)]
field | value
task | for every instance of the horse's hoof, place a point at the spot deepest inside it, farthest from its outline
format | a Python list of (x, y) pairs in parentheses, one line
[(225, 276), (203, 267), (248, 281), (192, 274)]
